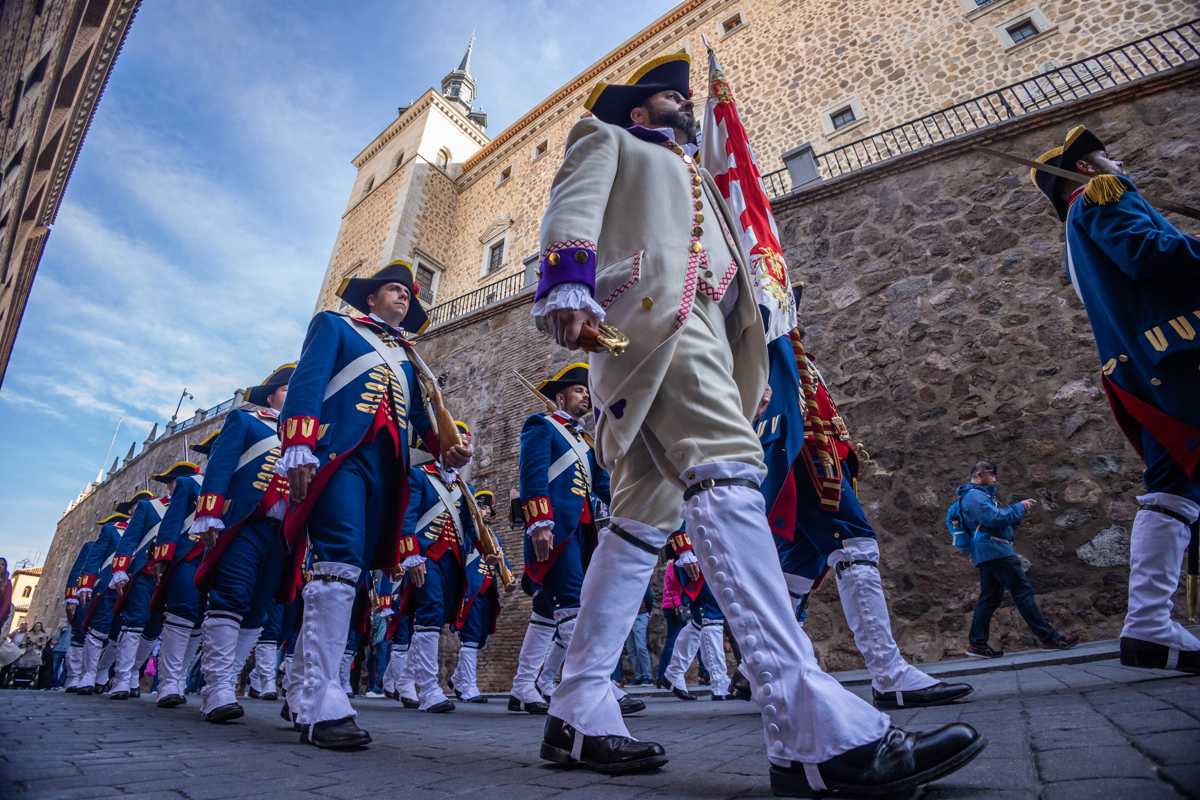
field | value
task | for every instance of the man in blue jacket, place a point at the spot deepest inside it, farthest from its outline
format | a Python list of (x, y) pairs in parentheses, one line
[(74, 659), (352, 404), (1138, 277), (999, 567)]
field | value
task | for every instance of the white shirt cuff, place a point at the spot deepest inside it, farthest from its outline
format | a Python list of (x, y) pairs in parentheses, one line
[(278, 510), (537, 526), (571, 296), (206, 524), (387, 612), (298, 455), (117, 579), (71, 601), (688, 557), (412, 561)]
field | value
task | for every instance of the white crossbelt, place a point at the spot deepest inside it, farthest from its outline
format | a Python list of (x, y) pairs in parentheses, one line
[(1070, 260), (448, 499), (394, 357), (161, 508), (259, 448), (577, 454)]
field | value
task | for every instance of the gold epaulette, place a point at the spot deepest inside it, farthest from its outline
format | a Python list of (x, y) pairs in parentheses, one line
[(1104, 190)]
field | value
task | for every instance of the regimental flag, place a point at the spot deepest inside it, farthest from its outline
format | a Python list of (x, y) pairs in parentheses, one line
[(727, 155)]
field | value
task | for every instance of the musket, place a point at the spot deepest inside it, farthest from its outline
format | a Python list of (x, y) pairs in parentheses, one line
[(1080, 178), (488, 546)]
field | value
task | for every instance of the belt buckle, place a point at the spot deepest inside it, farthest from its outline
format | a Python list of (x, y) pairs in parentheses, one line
[(707, 483)]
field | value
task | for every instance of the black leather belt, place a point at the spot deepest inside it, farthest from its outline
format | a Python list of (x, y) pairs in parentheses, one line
[(1170, 512), (633, 540), (844, 565), (327, 578), (712, 483)]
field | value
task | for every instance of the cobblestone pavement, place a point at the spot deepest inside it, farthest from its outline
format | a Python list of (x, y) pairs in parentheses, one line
[(1093, 731)]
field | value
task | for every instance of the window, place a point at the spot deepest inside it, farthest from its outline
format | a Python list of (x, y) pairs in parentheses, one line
[(368, 186), (443, 158), (399, 160), (427, 282), (505, 174), (731, 24), (495, 257), (37, 73), (1025, 29), (541, 149), (14, 162), (28, 591), (16, 103), (842, 117), (531, 270)]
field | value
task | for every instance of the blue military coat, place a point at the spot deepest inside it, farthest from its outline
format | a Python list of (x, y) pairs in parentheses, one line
[(427, 521), (70, 595), (560, 481), (342, 394), (239, 480), (132, 555), (173, 543), (1139, 279), (97, 570)]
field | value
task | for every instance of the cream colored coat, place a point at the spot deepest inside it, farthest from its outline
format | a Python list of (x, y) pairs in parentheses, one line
[(634, 199)]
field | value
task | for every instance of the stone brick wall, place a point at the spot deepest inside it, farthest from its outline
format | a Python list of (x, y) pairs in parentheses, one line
[(938, 309), (79, 524)]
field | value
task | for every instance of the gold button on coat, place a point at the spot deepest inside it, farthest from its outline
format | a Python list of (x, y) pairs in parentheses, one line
[(581, 257), (552, 259), (647, 303)]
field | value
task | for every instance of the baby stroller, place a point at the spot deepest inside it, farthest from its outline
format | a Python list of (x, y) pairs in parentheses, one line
[(23, 671)]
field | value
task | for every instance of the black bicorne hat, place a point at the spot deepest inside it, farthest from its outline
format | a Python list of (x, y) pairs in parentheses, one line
[(355, 290), (612, 102), (1078, 143), (279, 377), (571, 375)]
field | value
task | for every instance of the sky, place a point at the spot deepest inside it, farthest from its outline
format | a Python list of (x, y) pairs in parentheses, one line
[(195, 230)]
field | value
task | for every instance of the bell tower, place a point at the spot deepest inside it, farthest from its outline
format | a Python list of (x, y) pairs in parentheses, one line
[(459, 87)]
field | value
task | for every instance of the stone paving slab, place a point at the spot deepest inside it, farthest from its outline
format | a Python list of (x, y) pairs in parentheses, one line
[(1091, 730)]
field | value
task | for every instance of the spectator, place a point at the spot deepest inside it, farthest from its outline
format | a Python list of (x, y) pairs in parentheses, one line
[(636, 649), (381, 650), (61, 643), (672, 606), (999, 567)]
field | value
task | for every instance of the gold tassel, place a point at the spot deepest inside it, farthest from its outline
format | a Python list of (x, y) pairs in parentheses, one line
[(1104, 190)]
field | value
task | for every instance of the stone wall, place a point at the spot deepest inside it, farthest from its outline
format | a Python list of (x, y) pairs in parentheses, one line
[(78, 525), (938, 309)]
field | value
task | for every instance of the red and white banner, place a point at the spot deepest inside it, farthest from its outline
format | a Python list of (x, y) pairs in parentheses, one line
[(726, 153)]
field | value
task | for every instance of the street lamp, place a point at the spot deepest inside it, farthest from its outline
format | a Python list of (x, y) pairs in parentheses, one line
[(182, 395)]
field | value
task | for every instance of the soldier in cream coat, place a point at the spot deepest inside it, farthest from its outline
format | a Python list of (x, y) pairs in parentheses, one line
[(636, 235)]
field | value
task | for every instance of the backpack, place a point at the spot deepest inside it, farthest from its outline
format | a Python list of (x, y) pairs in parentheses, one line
[(956, 525)]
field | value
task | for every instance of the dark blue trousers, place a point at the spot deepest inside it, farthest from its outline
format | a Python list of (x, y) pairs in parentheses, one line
[(995, 578), (819, 532), (359, 499), (183, 598), (437, 601), (564, 581), (249, 573), (479, 619)]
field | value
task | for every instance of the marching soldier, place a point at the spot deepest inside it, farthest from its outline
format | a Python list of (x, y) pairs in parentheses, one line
[(74, 660), (535, 646), (352, 403), (238, 514), (266, 654), (819, 524), (478, 613), (635, 232), (705, 633), (97, 599), (560, 484), (176, 597), (134, 577), (1138, 277), (442, 532)]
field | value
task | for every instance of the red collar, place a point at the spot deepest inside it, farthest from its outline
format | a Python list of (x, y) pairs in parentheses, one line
[(1075, 194)]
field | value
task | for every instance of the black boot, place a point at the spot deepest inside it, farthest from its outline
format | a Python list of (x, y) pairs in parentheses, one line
[(252, 693), (629, 705), (444, 707), (171, 700), (1148, 655), (939, 694), (121, 695), (268, 696), (409, 703), (286, 713), (225, 713), (335, 734), (682, 694), (899, 762), (613, 755)]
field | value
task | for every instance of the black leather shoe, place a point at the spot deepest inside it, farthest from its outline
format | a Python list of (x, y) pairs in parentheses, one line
[(70, 690), (444, 707), (409, 703), (682, 694), (630, 705), (84, 690), (335, 734), (1148, 655), (720, 697), (121, 695), (514, 705), (135, 692), (171, 700), (739, 687), (225, 713), (285, 712), (899, 762), (661, 683), (100, 688), (392, 695), (268, 696), (476, 699), (937, 695), (252, 693), (537, 708), (612, 755)]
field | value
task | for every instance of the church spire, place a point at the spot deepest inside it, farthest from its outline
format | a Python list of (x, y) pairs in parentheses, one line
[(459, 86)]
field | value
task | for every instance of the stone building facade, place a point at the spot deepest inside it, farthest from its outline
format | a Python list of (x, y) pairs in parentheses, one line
[(24, 582), (55, 59), (808, 73)]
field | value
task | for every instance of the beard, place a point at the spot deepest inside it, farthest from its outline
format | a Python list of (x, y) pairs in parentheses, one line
[(677, 120)]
